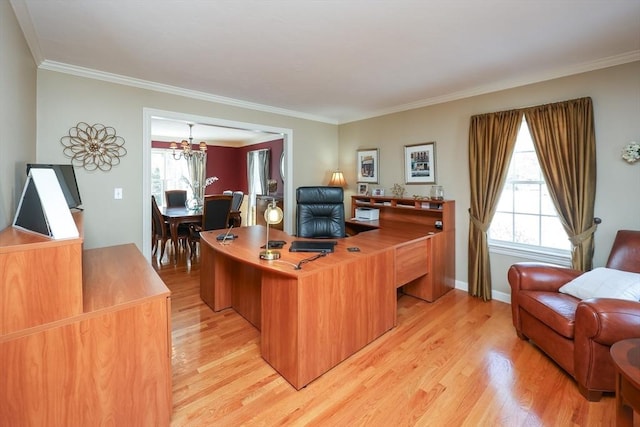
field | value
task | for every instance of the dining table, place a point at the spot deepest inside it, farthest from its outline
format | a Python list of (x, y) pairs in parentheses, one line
[(176, 216)]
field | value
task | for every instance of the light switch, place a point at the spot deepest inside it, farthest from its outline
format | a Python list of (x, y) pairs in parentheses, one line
[(117, 193)]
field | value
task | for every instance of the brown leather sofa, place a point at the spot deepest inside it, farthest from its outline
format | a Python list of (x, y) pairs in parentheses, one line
[(576, 334)]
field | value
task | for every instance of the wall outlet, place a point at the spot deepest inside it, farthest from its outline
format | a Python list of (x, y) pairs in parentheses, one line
[(117, 193)]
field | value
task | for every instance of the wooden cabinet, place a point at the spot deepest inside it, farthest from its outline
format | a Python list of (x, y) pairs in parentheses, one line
[(425, 268), (85, 336)]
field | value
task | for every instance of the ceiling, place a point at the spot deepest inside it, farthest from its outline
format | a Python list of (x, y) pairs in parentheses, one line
[(170, 130), (334, 61)]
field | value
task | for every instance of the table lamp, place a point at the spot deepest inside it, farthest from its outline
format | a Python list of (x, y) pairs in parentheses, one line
[(337, 179), (272, 215)]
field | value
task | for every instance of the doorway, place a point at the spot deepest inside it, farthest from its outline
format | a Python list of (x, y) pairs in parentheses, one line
[(149, 115)]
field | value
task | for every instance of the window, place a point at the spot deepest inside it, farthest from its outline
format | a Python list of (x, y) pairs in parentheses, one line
[(526, 222), (167, 174)]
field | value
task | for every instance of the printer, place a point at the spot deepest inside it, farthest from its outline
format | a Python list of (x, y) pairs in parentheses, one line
[(367, 214)]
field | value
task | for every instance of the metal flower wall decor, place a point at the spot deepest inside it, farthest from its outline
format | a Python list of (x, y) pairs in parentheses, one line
[(93, 147)]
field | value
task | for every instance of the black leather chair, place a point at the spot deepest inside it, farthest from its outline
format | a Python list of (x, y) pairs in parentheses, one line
[(215, 215), (320, 212)]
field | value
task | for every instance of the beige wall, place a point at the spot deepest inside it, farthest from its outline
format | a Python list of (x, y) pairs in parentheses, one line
[(17, 112), (64, 100), (616, 97)]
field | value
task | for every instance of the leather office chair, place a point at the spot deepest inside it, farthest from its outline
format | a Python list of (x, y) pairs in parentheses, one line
[(215, 215), (160, 230), (320, 212), (175, 198)]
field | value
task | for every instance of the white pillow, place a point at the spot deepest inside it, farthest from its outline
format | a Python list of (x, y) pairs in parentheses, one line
[(604, 282)]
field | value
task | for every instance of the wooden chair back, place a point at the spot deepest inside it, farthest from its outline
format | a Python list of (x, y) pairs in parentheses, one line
[(158, 225), (175, 198)]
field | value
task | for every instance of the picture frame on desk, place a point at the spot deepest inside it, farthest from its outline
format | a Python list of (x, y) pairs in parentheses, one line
[(377, 192), (420, 163), (367, 165), (363, 189)]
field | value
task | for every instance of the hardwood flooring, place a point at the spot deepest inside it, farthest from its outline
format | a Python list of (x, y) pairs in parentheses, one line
[(455, 362)]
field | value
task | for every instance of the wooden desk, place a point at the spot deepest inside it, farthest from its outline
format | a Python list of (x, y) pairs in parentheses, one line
[(626, 359), (313, 318), (176, 216)]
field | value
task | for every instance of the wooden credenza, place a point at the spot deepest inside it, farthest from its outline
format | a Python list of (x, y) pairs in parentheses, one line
[(85, 336)]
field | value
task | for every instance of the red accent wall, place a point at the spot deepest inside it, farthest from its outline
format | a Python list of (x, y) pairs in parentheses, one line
[(229, 164), (225, 163)]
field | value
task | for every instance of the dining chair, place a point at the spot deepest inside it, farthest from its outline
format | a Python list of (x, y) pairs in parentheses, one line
[(175, 198), (236, 202), (235, 217), (215, 215), (160, 230)]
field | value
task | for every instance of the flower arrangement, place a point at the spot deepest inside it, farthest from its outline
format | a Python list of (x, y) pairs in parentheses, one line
[(631, 152), (197, 191)]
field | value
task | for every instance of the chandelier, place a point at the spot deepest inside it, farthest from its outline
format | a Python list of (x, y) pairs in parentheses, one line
[(186, 147)]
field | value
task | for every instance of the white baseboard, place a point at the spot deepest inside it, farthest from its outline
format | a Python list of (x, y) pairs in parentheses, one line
[(496, 295)]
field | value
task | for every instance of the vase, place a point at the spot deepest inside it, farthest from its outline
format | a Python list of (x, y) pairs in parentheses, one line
[(437, 192)]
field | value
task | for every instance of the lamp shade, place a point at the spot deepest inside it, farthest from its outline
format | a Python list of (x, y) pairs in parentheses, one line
[(273, 214), (337, 180)]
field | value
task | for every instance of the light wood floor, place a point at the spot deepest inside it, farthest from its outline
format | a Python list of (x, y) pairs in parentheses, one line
[(455, 362)]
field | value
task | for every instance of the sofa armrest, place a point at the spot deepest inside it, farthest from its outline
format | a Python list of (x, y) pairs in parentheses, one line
[(607, 321), (599, 323), (538, 276), (535, 276)]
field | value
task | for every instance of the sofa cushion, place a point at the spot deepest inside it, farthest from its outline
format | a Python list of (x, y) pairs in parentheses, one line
[(605, 283), (554, 309)]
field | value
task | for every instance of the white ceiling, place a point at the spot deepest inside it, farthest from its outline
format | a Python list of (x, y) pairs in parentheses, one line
[(169, 130), (333, 60)]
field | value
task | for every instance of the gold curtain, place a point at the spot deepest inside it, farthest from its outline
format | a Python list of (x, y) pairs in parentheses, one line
[(492, 138), (564, 138)]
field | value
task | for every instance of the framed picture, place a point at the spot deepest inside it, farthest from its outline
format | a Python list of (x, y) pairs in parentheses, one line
[(367, 165), (363, 189), (420, 163), (378, 192)]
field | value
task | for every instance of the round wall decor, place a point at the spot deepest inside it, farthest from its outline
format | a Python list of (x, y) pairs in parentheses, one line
[(93, 147)]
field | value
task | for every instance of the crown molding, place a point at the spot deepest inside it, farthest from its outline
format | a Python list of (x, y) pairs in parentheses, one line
[(174, 90), (509, 84), (26, 24), (455, 96)]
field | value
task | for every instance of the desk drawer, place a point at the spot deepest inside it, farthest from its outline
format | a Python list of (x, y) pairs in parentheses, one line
[(411, 262)]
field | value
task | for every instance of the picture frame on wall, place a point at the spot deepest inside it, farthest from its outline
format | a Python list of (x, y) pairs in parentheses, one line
[(367, 165), (363, 189), (420, 163)]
